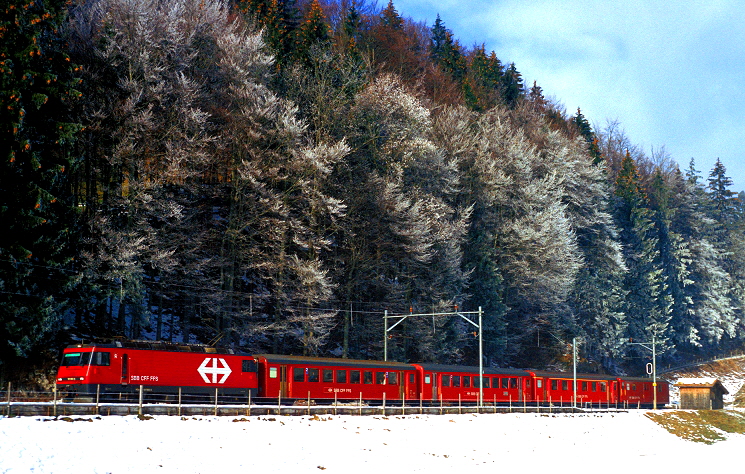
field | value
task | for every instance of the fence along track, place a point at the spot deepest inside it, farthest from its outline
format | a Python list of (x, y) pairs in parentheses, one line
[(47, 404)]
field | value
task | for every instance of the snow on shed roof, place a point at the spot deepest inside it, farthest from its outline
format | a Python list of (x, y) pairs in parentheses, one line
[(700, 382)]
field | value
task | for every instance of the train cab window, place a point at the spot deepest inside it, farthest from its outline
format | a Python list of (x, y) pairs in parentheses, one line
[(602, 387), (86, 358), (298, 374), (527, 383), (456, 380), (354, 376), (272, 372), (392, 378), (328, 376), (554, 384), (367, 377), (341, 376), (628, 386), (312, 375), (505, 382), (380, 378), (467, 381), (445, 381), (248, 365), (539, 383), (594, 386), (412, 378), (428, 379)]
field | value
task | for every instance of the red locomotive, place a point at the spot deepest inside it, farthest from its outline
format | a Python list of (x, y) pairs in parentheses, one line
[(121, 367), (164, 368)]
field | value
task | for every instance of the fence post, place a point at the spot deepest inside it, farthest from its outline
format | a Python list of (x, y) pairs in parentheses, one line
[(8, 405), (98, 395), (248, 412), (215, 401), (179, 401), (139, 409)]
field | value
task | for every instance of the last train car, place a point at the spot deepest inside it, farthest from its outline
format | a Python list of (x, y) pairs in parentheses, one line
[(122, 366)]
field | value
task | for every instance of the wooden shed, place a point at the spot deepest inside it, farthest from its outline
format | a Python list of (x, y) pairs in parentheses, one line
[(701, 393)]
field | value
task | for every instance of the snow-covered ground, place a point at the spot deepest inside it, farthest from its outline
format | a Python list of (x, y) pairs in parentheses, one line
[(622, 442)]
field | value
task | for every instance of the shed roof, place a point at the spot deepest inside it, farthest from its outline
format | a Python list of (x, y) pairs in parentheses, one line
[(701, 382)]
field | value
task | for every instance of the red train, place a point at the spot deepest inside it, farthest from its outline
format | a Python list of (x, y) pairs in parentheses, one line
[(162, 368)]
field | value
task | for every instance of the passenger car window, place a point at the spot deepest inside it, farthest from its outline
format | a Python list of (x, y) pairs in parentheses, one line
[(554, 384), (298, 374), (456, 380), (564, 385), (392, 378), (505, 382), (380, 378), (328, 376), (513, 382), (367, 377), (312, 375), (354, 376), (341, 376), (445, 380)]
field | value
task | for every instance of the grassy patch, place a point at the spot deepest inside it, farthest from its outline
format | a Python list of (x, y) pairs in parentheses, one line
[(740, 398), (704, 426)]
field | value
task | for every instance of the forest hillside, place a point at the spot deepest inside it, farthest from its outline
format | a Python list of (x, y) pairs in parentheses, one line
[(275, 175)]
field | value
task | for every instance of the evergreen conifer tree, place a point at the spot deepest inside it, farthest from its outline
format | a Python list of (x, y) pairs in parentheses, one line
[(38, 85)]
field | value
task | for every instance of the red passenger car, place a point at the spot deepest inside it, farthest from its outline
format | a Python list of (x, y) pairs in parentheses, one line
[(318, 378), (452, 383), (558, 388), (159, 367)]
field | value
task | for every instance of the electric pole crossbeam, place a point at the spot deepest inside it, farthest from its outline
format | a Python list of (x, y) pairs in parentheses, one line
[(462, 314)]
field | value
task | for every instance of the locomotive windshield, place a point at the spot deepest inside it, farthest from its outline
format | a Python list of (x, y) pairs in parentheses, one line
[(73, 359)]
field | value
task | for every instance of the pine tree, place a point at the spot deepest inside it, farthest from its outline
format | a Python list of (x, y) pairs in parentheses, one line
[(38, 85), (648, 305), (512, 86), (721, 195), (390, 18), (585, 130)]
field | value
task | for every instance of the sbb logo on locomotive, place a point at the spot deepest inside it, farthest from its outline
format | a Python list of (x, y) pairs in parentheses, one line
[(214, 366)]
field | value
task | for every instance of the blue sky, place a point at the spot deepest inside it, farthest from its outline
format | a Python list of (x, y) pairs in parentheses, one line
[(671, 73)]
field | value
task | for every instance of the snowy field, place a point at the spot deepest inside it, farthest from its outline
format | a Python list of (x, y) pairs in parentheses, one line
[(622, 442)]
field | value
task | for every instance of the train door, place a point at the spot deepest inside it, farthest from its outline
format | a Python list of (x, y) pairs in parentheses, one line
[(525, 392), (283, 389), (125, 369)]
